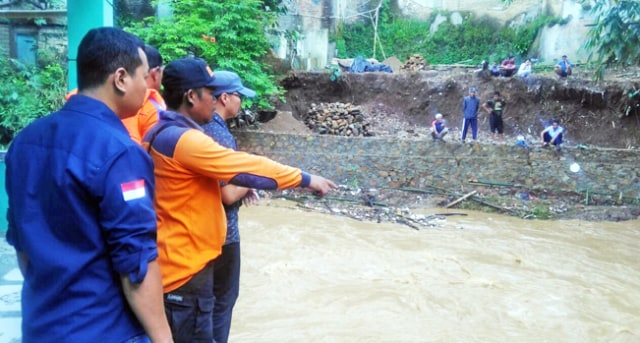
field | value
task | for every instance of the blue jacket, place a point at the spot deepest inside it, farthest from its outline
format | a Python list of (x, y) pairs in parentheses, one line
[(80, 208), (470, 106)]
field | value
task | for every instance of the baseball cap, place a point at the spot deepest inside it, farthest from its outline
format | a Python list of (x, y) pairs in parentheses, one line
[(438, 115), (229, 82), (187, 73), (473, 90)]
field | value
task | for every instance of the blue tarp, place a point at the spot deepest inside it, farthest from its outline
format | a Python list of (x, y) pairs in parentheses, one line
[(360, 65)]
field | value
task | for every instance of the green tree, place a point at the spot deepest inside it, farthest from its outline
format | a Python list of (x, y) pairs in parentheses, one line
[(615, 39), (228, 34), (28, 92)]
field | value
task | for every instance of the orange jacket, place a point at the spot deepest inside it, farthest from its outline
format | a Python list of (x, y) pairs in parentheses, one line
[(146, 117), (188, 165)]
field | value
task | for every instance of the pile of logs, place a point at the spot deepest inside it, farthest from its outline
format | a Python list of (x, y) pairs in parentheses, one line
[(337, 119), (415, 63)]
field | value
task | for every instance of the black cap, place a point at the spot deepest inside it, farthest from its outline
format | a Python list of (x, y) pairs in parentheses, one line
[(187, 73)]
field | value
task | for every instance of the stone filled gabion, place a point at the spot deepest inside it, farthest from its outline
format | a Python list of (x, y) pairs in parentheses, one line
[(337, 119)]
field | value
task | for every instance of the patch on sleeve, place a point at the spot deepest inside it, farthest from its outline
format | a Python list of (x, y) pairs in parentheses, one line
[(133, 190)]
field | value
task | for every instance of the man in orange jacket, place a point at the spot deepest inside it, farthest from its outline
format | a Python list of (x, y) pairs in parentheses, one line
[(147, 116), (188, 168)]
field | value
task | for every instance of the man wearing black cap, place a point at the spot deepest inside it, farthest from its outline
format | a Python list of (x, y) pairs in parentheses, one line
[(229, 91), (563, 68), (188, 167)]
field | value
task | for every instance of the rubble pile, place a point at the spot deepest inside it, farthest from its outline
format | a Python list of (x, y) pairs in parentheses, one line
[(337, 119), (415, 63)]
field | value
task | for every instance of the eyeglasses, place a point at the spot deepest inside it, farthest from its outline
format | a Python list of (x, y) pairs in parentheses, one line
[(238, 95)]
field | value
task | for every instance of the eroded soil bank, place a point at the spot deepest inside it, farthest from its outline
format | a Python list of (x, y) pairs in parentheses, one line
[(600, 115), (596, 116)]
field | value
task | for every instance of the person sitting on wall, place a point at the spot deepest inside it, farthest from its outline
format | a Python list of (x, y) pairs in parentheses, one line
[(438, 128), (495, 69), (508, 66), (525, 69), (563, 68), (552, 134)]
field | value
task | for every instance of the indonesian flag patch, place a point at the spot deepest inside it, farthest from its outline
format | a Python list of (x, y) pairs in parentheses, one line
[(133, 190)]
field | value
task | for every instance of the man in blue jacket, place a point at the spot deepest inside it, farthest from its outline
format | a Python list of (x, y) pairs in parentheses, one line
[(470, 106), (81, 214)]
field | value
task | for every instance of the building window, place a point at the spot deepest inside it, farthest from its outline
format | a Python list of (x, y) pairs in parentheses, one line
[(24, 45)]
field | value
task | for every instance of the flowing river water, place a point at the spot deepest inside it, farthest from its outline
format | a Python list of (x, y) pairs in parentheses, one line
[(313, 277)]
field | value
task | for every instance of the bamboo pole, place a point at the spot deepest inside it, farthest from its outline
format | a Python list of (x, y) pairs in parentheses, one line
[(461, 198)]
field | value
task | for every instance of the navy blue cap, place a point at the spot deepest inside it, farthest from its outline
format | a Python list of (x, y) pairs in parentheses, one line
[(229, 82), (187, 73)]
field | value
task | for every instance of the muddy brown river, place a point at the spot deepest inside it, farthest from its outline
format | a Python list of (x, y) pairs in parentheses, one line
[(312, 277)]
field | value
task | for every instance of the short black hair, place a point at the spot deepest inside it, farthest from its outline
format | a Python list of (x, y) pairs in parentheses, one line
[(153, 56), (555, 121), (102, 51), (174, 97), (496, 93)]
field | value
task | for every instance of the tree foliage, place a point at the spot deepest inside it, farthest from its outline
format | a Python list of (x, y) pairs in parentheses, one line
[(228, 34), (615, 39), (472, 41), (29, 92)]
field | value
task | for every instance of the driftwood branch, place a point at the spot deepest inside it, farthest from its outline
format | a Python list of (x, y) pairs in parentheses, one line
[(462, 198)]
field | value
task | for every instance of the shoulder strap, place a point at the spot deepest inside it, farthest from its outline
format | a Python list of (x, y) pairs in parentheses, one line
[(156, 133)]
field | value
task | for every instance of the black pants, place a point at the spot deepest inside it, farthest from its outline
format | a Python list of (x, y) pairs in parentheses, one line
[(189, 309)]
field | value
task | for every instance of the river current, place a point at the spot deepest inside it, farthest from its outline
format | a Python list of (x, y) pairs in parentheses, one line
[(313, 277)]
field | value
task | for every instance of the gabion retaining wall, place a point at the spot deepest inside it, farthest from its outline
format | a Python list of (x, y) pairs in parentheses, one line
[(388, 162)]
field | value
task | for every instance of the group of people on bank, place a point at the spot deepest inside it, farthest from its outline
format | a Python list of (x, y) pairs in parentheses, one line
[(509, 68), (494, 107), (123, 205)]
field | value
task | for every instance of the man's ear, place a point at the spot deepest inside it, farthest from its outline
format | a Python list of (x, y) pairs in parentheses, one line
[(190, 97), (120, 80)]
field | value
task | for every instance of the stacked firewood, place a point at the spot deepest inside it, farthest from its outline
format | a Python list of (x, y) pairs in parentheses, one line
[(415, 63), (337, 119)]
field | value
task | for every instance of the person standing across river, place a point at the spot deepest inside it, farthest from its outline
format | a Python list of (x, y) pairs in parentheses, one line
[(494, 107), (470, 106)]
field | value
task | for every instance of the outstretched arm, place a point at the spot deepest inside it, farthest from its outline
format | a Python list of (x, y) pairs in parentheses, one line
[(321, 185)]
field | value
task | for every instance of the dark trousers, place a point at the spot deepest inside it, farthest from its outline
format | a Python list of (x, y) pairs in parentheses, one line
[(495, 123), (547, 139), (473, 122), (226, 287), (189, 309)]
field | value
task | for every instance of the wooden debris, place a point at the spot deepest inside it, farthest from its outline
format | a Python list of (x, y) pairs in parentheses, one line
[(461, 199)]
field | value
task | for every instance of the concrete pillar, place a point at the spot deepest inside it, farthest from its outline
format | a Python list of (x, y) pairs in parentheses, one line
[(82, 16)]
